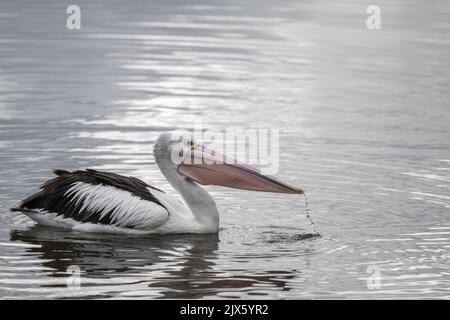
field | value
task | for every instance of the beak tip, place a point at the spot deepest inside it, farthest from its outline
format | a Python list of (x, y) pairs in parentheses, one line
[(299, 191)]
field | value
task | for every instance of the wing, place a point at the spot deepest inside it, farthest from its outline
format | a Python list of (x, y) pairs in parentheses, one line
[(99, 197)]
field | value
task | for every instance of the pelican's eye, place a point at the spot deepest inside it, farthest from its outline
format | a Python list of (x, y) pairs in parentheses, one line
[(190, 143)]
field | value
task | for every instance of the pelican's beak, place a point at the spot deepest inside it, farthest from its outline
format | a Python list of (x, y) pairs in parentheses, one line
[(209, 168)]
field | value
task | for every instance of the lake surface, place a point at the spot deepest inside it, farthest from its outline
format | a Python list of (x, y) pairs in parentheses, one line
[(364, 128)]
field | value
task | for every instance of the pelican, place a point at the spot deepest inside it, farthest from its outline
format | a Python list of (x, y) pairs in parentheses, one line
[(95, 201)]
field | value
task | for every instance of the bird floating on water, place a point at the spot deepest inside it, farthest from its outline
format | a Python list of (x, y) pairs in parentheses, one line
[(94, 201)]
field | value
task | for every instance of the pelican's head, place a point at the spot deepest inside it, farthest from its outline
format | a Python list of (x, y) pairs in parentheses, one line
[(195, 162)]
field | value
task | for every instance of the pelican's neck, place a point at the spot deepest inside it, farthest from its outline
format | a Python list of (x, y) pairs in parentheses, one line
[(199, 201)]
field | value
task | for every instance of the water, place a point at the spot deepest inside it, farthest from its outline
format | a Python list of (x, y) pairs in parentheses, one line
[(364, 119)]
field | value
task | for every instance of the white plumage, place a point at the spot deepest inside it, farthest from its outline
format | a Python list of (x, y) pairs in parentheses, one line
[(127, 210)]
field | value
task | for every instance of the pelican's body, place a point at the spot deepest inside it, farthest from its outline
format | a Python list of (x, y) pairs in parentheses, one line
[(132, 215), (97, 201)]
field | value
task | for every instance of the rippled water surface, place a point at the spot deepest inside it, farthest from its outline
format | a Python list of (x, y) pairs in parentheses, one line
[(364, 119)]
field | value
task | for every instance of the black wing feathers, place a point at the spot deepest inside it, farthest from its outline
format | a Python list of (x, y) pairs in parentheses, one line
[(52, 196)]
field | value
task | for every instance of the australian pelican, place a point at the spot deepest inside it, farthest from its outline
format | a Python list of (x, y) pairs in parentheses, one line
[(96, 201)]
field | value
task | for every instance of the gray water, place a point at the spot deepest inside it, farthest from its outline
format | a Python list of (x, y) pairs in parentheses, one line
[(364, 119)]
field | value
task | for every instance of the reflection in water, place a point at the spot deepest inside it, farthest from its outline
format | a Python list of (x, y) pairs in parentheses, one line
[(174, 266), (98, 253)]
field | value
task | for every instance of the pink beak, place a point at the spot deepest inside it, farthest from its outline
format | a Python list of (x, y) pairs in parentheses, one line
[(209, 168)]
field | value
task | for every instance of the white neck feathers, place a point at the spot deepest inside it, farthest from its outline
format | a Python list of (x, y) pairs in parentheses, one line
[(199, 201)]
